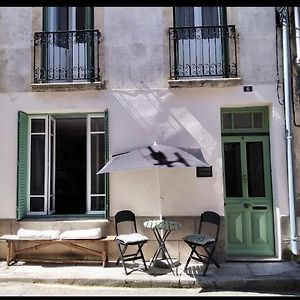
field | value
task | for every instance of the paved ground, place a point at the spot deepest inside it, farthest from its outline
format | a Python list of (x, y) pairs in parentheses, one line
[(271, 277), (52, 289)]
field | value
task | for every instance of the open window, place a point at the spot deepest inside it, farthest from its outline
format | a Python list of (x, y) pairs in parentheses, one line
[(58, 158)]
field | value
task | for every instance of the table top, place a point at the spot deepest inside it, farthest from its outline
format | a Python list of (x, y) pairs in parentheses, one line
[(162, 224)]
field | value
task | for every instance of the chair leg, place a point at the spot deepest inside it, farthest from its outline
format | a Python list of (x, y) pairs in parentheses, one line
[(210, 259), (121, 258), (189, 259), (205, 262), (205, 269), (133, 256), (142, 255)]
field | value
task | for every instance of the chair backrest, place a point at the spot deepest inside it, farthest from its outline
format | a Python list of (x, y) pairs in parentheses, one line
[(210, 218), (125, 216)]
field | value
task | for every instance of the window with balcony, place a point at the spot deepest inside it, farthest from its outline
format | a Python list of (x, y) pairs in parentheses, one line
[(67, 49), (201, 44)]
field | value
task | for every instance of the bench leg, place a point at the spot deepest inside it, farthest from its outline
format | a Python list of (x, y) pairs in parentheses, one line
[(10, 254), (105, 253)]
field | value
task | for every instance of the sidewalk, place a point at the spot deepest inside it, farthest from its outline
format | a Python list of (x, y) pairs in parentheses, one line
[(232, 276)]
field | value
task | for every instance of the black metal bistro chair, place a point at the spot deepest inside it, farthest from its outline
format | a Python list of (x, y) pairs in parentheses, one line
[(129, 237), (203, 243)]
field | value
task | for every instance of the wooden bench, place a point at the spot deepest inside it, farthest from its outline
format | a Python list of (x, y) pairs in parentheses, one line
[(13, 253)]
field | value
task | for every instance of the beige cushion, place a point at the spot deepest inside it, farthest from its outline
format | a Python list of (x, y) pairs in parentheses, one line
[(30, 234), (131, 238), (81, 234)]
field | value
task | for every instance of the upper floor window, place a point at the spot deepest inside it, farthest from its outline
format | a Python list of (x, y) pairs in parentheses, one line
[(68, 47), (201, 44), (198, 16)]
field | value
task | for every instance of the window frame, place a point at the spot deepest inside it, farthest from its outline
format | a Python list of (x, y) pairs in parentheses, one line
[(23, 167), (46, 157)]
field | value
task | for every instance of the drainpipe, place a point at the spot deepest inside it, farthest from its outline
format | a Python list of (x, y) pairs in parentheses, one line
[(287, 107), (297, 29)]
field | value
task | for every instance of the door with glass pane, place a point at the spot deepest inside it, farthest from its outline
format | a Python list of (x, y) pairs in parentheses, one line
[(248, 197), (67, 53), (199, 41)]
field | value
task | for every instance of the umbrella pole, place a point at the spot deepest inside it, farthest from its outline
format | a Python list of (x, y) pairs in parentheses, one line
[(160, 199)]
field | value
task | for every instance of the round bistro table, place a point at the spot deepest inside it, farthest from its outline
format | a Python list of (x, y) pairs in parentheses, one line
[(161, 230)]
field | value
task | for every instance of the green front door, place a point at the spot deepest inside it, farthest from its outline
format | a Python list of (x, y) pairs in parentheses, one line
[(248, 196)]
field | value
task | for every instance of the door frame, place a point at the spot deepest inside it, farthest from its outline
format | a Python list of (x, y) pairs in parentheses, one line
[(257, 128)]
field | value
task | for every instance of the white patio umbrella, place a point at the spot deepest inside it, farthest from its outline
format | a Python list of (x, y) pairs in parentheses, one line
[(156, 156)]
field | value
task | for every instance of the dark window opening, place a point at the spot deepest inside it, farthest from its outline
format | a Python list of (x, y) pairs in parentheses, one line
[(70, 179)]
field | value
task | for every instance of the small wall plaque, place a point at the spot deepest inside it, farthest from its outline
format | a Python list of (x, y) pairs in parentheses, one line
[(248, 88), (204, 171)]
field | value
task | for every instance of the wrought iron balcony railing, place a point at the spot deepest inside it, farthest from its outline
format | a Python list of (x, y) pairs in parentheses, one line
[(66, 56), (202, 51)]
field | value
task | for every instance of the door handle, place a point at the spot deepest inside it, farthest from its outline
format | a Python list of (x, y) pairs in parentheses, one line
[(247, 205)]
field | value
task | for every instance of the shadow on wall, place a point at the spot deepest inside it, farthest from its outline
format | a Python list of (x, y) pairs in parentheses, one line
[(166, 122)]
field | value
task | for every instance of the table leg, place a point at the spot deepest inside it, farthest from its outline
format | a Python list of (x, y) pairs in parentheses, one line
[(162, 248)]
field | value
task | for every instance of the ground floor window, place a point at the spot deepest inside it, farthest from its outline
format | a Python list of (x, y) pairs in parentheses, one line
[(58, 158)]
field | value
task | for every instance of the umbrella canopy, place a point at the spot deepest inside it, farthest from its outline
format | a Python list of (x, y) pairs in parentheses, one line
[(156, 156)]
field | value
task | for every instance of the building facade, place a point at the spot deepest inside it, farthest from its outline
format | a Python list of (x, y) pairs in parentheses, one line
[(81, 84)]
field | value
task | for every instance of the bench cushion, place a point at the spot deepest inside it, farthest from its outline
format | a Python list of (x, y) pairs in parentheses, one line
[(82, 234), (30, 234)]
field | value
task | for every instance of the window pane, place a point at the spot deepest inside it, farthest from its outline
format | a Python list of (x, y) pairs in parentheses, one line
[(80, 18), (38, 125), (97, 162), (37, 204), (97, 203), (184, 16), (51, 203), (37, 171), (210, 16), (226, 120), (62, 18), (233, 170), (242, 120), (97, 124), (256, 180), (52, 126), (51, 165), (257, 119)]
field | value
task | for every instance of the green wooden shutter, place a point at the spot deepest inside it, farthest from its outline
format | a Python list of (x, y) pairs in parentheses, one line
[(22, 165), (106, 160)]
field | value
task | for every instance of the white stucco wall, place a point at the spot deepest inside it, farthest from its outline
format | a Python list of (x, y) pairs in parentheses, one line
[(15, 49), (256, 28), (135, 35), (139, 117)]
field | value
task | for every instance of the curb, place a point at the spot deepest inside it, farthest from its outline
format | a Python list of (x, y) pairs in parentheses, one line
[(261, 284)]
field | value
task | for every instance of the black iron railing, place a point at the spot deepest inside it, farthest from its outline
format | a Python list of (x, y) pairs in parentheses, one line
[(202, 51), (66, 56)]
